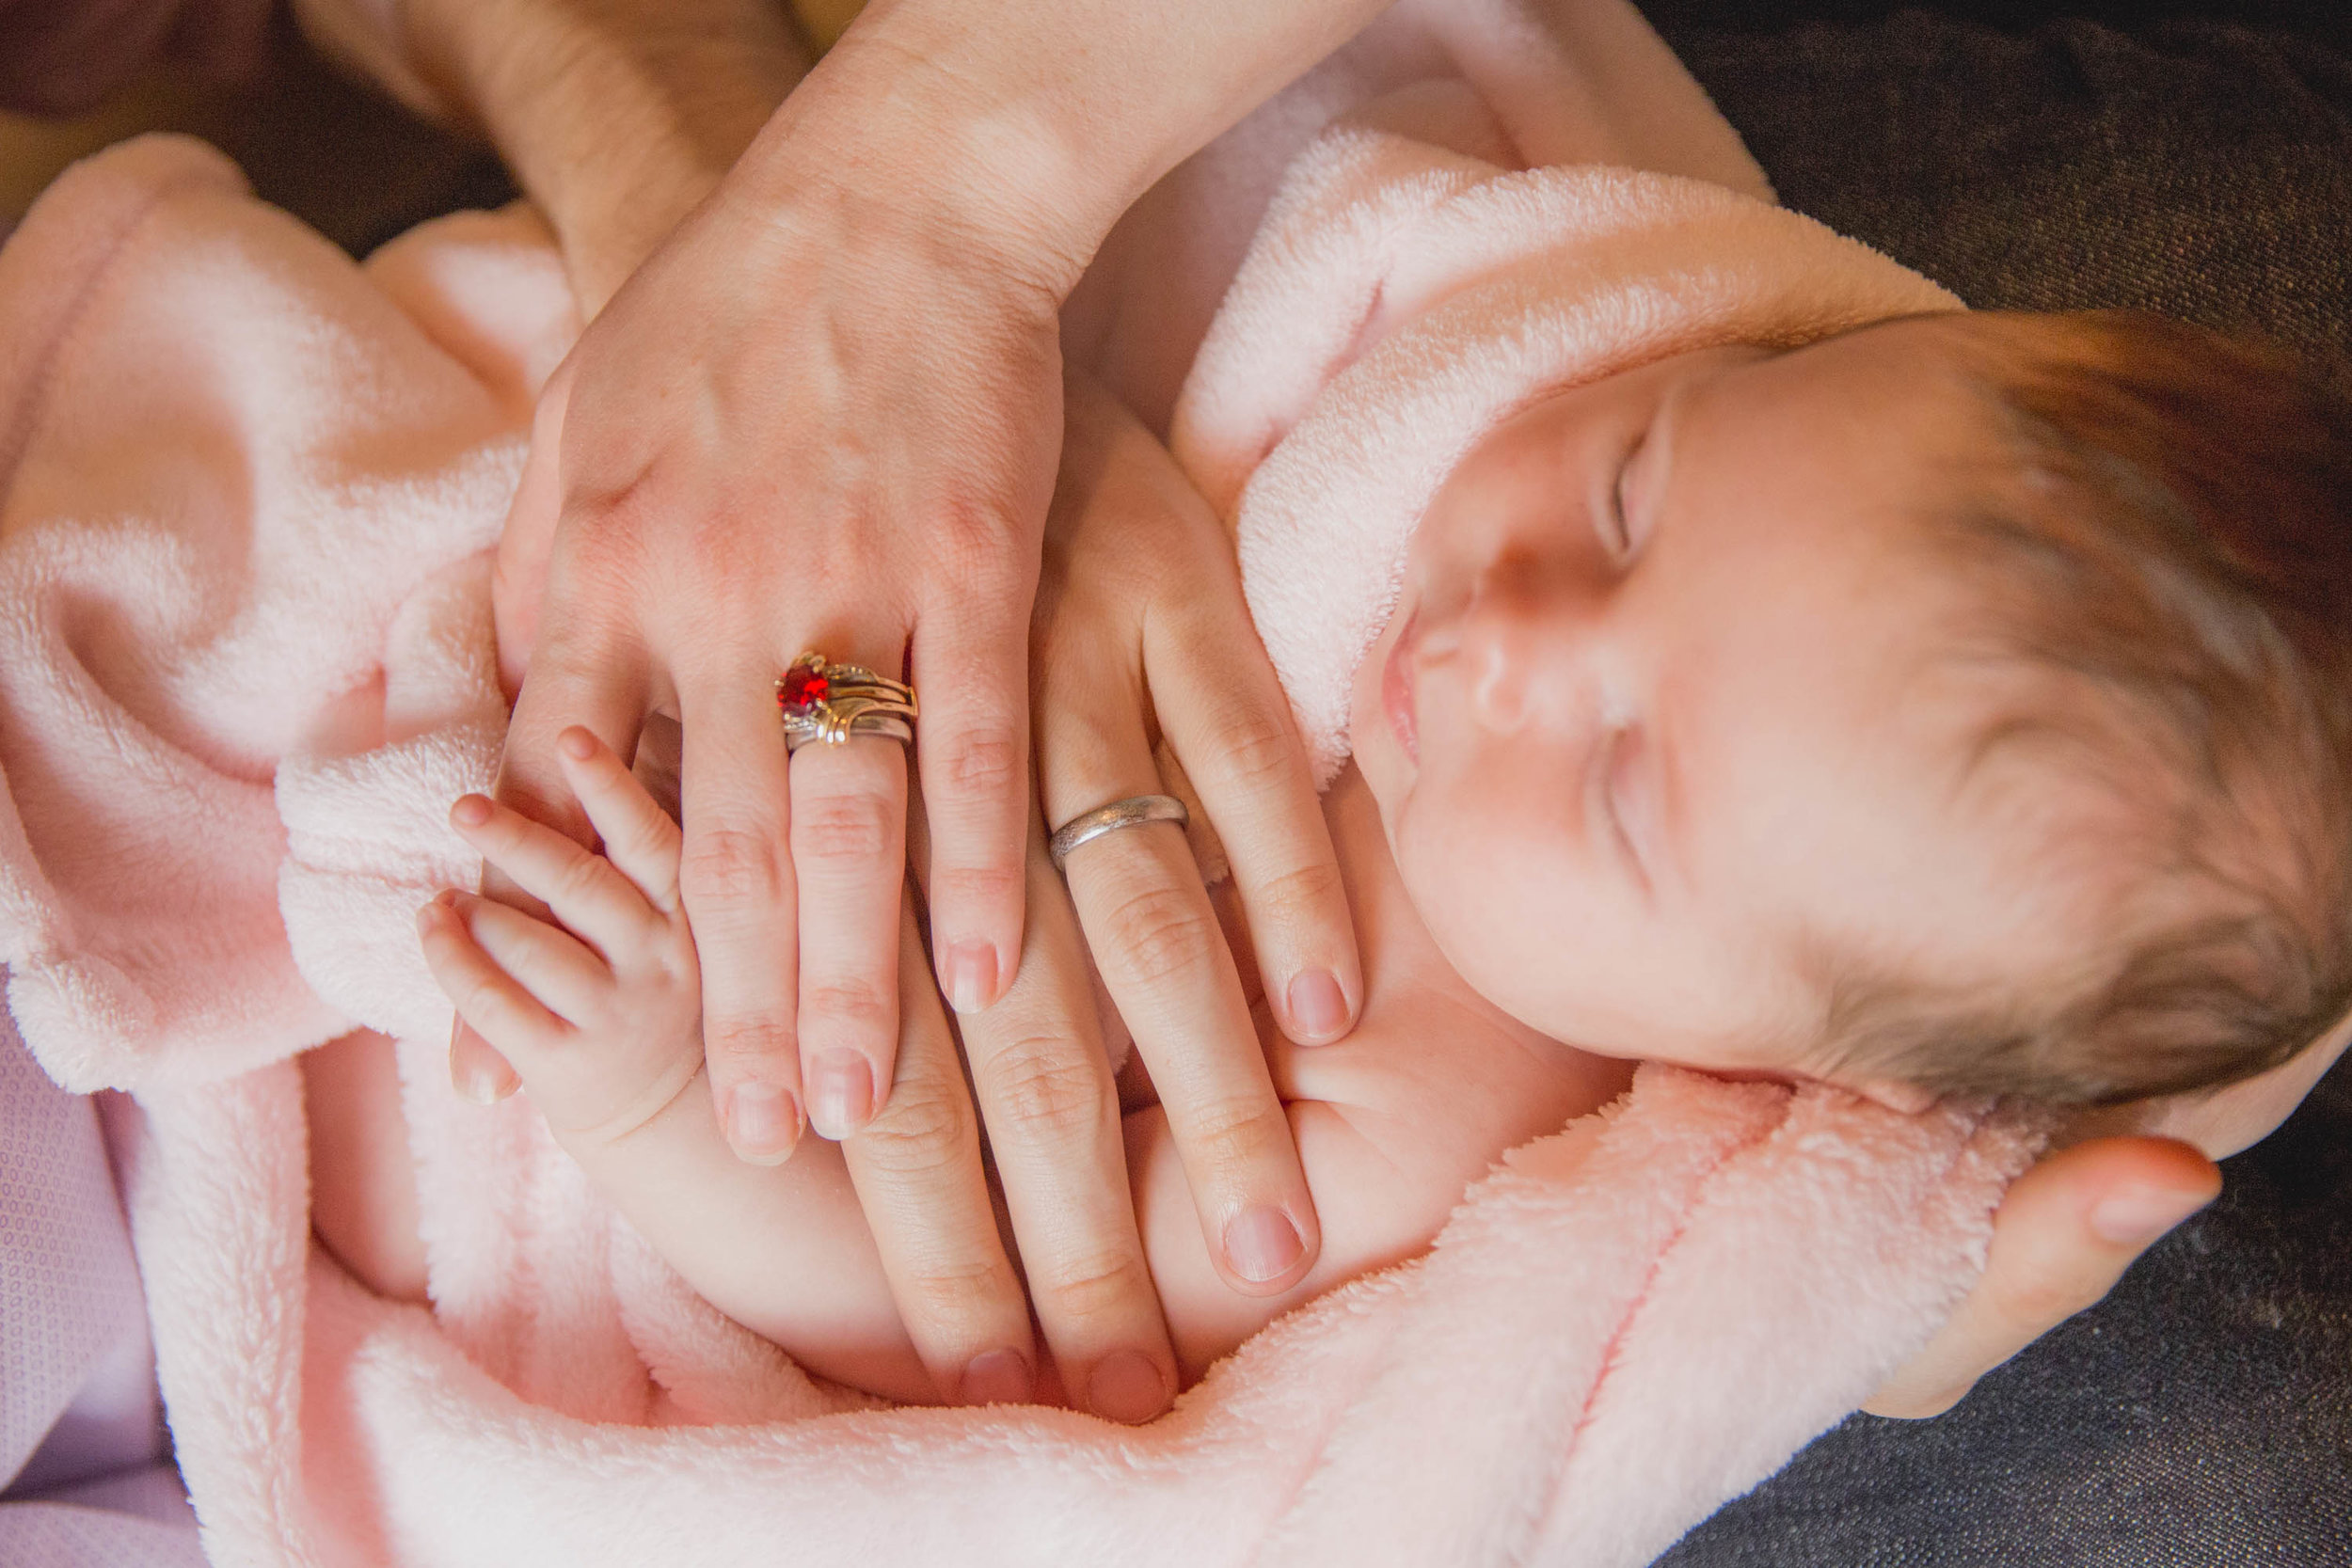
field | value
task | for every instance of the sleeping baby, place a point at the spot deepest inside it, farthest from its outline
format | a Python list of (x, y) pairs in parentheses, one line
[(1775, 673)]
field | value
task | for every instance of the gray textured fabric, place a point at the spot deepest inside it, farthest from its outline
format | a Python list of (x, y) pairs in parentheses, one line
[(2202, 1416), (2201, 170)]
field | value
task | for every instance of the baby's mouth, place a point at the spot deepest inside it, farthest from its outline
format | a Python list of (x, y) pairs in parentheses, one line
[(1396, 689)]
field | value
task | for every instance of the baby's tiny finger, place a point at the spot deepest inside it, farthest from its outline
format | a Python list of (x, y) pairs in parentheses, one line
[(638, 838), (564, 977), (583, 890), (487, 998)]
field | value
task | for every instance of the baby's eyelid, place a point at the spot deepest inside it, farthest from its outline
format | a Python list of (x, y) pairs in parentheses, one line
[(1620, 511)]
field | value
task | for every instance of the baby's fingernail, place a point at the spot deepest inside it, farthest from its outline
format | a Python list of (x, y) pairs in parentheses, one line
[(482, 1083), (1126, 1388), (999, 1377), (1318, 1007), (2137, 1215), (763, 1123), (840, 1094), (578, 744), (1260, 1244), (971, 976), (470, 810)]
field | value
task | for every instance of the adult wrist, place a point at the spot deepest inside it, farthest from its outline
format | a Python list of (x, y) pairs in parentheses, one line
[(965, 151), (616, 116)]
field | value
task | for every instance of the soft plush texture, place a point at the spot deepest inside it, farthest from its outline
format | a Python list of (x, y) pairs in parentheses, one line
[(248, 495)]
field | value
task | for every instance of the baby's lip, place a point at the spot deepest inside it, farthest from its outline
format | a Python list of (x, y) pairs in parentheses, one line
[(1396, 689)]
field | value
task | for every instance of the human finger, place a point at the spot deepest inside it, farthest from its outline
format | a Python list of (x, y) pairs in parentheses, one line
[(592, 673), (553, 966), (1163, 957), (848, 862), (2065, 1233), (1224, 715), (916, 1167), (973, 745), (1051, 1106), (736, 880), (639, 838), (489, 998), (581, 890)]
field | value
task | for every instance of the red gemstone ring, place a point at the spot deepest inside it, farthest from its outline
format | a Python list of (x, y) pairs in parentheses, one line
[(831, 703)]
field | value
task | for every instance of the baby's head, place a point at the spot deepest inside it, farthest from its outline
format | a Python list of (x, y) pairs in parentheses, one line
[(1960, 703)]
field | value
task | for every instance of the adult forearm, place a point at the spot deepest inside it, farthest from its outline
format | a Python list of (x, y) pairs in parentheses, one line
[(616, 116), (1031, 126)]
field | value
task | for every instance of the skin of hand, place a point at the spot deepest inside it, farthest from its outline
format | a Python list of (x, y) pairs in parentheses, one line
[(2072, 1226), (840, 374), (1141, 634), (602, 1012)]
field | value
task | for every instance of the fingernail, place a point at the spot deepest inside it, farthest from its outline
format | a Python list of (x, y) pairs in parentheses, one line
[(470, 810), (1000, 1377), (763, 1123), (429, 917), (2137, 1215), (1126, 1388), (484, 1084), (971, 976), (578, 744), (840, 1094), (1318, 1007), (1260, 1244)]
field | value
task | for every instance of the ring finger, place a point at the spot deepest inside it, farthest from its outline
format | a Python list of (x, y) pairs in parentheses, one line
[(848, 856)]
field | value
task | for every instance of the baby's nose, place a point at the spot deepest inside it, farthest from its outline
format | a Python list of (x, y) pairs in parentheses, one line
[(1520, 636)]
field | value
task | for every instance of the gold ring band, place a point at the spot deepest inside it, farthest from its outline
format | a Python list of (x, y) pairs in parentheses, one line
[(819, 700)]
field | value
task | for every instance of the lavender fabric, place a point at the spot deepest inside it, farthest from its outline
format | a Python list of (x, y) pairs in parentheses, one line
[(81, 1452)]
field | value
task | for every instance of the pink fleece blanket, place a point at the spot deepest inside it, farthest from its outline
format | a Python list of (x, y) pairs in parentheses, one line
[(246, 496)]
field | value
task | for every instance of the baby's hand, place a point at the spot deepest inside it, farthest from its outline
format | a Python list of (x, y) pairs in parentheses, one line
[(601, 1014)]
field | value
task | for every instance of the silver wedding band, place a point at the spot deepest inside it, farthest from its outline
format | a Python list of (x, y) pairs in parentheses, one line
[(1132, 812)]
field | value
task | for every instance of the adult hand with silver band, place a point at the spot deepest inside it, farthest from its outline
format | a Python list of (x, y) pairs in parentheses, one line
[(823, 413)]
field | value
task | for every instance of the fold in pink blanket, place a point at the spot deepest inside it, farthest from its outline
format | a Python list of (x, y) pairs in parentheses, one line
[(246, 496)]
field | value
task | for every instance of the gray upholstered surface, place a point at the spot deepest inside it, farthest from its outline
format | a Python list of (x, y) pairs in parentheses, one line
[(2201, 1416)]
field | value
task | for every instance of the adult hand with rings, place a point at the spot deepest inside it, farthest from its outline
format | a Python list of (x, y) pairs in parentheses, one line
[(824, 414)]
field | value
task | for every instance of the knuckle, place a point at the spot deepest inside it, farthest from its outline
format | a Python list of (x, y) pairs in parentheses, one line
[(1158, 933), (731, 866), (957, 1293), (1304, 891), (744, 1043), (977, 544), (1255, 750), (853, 829), (1234, 1134), (1046, 1086), (862, 1006), (983, 762), (925, 1130), (1093, 1285), (976, 887)]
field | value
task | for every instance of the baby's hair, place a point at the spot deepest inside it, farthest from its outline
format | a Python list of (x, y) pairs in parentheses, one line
[(2166, 546)]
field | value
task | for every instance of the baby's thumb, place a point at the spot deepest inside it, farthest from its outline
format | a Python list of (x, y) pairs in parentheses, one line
[(2065, 1234)]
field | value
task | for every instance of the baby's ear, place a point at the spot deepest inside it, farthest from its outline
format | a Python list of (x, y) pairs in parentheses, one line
[(1910, 1099)]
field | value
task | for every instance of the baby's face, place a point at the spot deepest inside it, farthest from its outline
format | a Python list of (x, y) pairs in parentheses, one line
[(1660, 712)]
